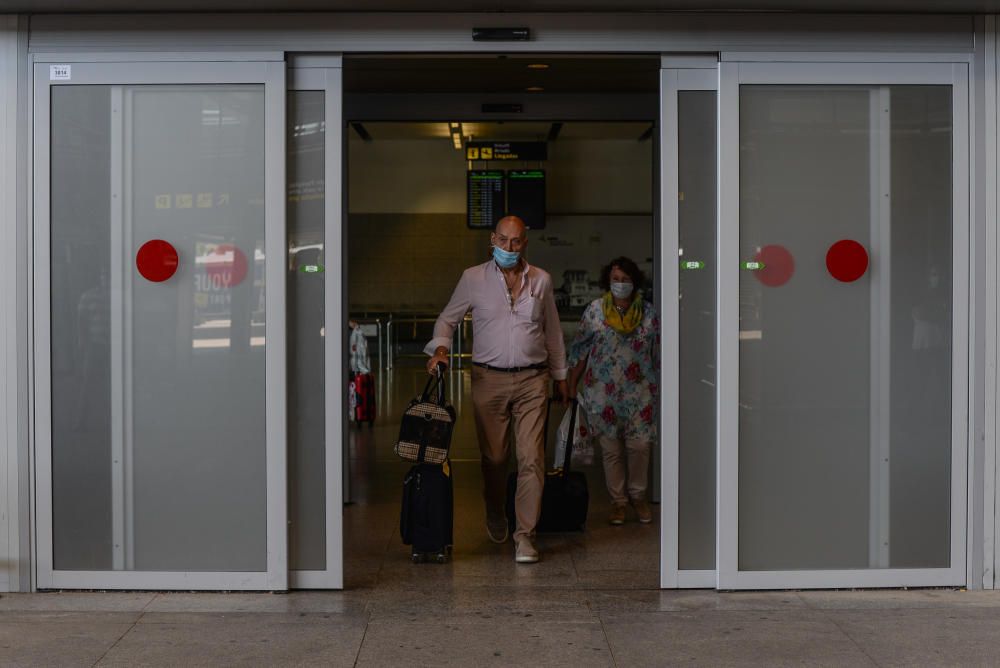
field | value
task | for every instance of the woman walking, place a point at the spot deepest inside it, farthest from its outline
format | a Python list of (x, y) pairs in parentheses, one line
[(616, 352)]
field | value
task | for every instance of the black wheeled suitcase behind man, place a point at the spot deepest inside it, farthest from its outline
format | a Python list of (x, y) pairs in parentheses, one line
[(565, 497), (426, 518)]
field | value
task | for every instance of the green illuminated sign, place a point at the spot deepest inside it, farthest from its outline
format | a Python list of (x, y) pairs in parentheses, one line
[(312, 269), (752, 266), (692, 264)]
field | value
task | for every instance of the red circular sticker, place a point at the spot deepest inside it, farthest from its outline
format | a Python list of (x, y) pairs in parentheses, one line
[(226, 266), (847, 260), (777, 266), (156, 260)]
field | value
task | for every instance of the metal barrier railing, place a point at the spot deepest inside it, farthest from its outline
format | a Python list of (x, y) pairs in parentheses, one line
[(455, 357), (386, 329)]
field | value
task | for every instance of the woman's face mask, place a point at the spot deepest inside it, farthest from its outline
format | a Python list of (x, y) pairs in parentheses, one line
[(621, 290), (506, 259)]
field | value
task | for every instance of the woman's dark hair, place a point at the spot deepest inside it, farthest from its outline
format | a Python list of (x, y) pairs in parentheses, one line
[(626, 265)]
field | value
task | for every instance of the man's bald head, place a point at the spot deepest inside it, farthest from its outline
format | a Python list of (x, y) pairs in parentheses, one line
[(510, 234), (511, 226)]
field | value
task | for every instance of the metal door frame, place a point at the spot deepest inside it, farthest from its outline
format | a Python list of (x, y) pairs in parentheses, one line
[(164, 69), (785, 69), (325, 73), (677, 74)]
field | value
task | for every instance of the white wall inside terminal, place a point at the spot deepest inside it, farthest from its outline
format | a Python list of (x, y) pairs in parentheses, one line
[(407, 212), (405, 176)]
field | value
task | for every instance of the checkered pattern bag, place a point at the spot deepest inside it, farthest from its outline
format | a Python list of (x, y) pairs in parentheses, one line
[(425, 432)]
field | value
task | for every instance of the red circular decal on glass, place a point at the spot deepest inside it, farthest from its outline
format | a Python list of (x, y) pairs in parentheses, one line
[(226, 267), (156, 260), (777, 268), (847, 260)]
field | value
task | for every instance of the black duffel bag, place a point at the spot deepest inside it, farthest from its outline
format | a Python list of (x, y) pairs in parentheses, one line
[(565, 497)]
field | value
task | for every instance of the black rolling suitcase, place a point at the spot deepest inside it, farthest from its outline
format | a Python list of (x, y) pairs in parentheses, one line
[(565, 497), (426, 518)]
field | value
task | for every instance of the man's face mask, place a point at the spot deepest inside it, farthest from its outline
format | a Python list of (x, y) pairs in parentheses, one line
[(621, 290), (506, 259)]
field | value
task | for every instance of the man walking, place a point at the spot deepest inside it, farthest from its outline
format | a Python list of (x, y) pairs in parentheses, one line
[(517, 346)]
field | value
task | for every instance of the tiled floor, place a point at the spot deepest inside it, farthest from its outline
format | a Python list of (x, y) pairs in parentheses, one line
[(604, 556), (592, 601)]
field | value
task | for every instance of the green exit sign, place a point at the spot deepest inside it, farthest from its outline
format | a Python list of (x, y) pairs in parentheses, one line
[(753, 265), (692, 264), (312, 269)]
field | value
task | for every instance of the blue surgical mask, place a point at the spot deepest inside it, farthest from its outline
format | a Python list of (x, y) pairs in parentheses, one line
[(621, 290), (506, 259)]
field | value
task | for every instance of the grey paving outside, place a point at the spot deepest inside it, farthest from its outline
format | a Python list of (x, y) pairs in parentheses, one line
[(413, 621), (592, 601)]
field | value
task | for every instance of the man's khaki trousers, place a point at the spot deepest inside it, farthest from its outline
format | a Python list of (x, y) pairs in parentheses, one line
[(506, 402)]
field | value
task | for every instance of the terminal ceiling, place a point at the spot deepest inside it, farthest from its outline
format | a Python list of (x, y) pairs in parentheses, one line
[(800, 6)]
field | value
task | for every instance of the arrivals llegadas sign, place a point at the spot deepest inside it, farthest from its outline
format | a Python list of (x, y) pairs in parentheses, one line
[(506, 150)]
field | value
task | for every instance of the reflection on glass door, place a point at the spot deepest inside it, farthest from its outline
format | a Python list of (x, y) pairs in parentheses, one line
[(813, 340), (158, 400)]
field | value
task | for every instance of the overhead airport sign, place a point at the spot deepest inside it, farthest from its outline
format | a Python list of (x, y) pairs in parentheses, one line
[(506, 150)]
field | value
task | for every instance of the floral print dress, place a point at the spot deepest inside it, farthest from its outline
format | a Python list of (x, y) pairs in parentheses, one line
[(620, 384)]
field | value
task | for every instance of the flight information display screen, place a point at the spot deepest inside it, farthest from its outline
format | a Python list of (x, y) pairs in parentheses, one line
[(486, 201), (526, 196)]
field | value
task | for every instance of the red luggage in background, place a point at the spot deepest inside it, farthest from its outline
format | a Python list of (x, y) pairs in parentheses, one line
[(362, 391)]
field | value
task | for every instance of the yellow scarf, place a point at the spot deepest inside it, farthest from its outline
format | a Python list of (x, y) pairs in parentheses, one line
[(622, 323)]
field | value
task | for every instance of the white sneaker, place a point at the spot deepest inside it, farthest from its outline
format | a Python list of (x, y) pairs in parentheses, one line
[(525, 552)]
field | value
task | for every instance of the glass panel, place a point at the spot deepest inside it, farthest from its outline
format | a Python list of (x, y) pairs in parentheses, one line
[(81, 327), (697, 222), (158, 443), (845, 369), (306, 420)]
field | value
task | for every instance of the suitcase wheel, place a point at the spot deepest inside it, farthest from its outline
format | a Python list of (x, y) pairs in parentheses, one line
[(442, 557)]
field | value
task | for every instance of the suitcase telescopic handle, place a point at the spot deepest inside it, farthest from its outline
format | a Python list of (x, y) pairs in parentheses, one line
[(573, 406)]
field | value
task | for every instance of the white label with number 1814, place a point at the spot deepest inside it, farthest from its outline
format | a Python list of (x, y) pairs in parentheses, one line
[(60, 73)]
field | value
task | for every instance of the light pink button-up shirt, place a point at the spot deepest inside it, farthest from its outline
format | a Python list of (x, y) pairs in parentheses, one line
[(505, 335)]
